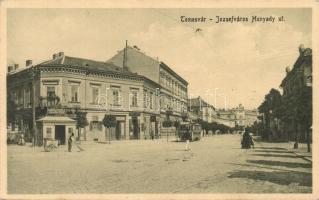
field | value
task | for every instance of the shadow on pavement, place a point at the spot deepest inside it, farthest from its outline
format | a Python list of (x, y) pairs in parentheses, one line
[(279, 148), (276, 155), (273, 151), (280, 163), (281, 178)]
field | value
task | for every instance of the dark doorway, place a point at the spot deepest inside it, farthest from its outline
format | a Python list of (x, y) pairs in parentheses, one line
[(156, 129), (135, 127), (118, 130), (60, 133)]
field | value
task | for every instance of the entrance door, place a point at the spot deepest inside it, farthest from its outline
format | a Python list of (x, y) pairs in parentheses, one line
[(60, 133), (156, 129), (135, 127), (118, 130)]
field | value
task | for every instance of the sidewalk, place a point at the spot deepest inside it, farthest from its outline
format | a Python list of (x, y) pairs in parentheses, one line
[(289, 146), (301, 151)]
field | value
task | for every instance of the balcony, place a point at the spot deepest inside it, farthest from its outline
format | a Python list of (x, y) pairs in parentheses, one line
[(49, 101)]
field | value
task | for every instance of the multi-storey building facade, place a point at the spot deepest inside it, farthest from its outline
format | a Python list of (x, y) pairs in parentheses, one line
[(172, 87), (65, 85), (297, 97)]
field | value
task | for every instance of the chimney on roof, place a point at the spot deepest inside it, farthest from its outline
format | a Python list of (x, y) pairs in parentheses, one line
[(10, 68), (28, 63), (16, 66), (125, 68), (54, 56), (61, 53)]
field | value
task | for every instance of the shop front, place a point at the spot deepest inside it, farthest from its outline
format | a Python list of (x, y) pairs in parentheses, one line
[(58, 128)]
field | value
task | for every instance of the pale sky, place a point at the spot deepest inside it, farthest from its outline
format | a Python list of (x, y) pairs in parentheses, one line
[(243, 60)]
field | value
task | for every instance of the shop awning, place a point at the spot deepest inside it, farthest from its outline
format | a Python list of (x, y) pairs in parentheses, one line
[(55, 119)]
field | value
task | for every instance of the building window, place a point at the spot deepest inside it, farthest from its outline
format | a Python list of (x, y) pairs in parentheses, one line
[(95, 95), (20, 97), (74, 93), (151, 100), (116, 97), (145, 98), (27, 97), (50, 91), (134, 95)]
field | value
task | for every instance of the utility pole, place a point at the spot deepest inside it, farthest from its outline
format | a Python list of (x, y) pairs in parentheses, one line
[(34, 129)]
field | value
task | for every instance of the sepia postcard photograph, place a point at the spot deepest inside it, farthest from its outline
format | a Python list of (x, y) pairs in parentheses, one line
[(162, 101)]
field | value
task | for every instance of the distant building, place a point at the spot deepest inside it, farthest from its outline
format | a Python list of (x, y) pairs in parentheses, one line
[(239, 116), (200, 109), (225, 117), (251, 116)]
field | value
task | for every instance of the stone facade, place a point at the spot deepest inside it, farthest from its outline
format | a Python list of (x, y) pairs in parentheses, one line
[(97, 88), (297, 98)]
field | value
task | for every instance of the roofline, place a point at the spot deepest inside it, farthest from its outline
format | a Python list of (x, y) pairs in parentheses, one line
[(289, 74), (208, 105), (162, 64), (150, 81)]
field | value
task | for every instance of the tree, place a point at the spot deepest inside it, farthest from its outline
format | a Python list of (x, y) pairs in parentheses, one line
[(271, 109), (109, 121), (81, 121)]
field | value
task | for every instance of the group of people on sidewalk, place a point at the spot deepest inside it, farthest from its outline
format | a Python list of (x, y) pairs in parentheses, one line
[(247, 141)]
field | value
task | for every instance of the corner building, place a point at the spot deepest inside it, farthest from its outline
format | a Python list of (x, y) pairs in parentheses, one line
[(64, 85)]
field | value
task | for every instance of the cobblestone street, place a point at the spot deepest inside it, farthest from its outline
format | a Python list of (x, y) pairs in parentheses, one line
[(215, 164)]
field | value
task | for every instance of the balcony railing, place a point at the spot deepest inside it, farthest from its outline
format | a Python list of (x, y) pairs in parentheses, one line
[(49, 101)]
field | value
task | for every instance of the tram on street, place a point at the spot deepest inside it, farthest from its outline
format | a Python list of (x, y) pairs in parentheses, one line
[(189, 130)]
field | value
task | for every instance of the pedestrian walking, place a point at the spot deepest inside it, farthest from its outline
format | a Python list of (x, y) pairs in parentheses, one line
[(70, 141), (246, 141), (251, 140), (187, 137), (21, 140)]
